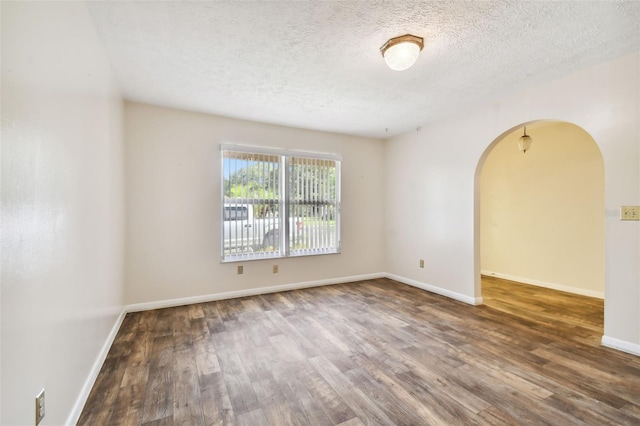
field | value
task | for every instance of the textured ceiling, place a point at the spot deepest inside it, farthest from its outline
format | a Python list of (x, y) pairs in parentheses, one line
[(317, 65)]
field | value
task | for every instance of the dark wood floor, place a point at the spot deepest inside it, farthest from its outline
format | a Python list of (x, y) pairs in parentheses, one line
[(373, 352)]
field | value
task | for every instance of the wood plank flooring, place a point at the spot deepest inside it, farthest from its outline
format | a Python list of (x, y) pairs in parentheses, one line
[(373, 352)]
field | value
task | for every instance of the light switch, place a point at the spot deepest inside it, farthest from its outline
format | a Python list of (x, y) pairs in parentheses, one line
[(630, 213)]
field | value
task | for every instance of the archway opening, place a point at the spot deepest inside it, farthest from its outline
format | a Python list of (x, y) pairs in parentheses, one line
[(539, 215)]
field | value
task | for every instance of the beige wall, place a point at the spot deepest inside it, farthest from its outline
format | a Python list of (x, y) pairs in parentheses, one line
[(62, 207), (433, 184), (173, 205), (542, 213)]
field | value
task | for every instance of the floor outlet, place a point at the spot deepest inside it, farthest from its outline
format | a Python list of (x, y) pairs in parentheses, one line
[(39, 407)]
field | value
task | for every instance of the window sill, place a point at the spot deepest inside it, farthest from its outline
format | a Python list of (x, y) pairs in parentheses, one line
[(251, 258)]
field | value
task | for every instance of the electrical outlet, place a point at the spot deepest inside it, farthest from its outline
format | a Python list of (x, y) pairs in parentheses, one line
[(39, 407), (630, 213), (275, 269), (422, 263), (240, 269)]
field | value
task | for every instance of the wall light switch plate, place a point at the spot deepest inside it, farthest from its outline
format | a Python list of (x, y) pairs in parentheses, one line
[(275, 269), (240, 269), (630, 213)]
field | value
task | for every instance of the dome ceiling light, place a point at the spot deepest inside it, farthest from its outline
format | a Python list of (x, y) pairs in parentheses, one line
[(402, 52)]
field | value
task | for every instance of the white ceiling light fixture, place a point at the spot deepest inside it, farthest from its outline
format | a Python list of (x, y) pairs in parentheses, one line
[(524, 143), (402, 52)]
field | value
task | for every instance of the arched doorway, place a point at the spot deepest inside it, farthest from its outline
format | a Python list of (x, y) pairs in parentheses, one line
[(539, 216)]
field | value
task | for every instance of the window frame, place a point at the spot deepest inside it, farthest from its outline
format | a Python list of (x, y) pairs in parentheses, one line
[(284, 201)]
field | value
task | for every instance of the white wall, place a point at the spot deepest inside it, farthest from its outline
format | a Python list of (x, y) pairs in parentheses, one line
[(62, 206), (173, 205), (433, 188), (542, 213)]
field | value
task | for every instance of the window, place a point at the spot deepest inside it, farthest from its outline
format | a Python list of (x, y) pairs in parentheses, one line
[(279, 203)]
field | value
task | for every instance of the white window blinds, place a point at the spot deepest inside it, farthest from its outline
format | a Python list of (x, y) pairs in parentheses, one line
[(279, 203)]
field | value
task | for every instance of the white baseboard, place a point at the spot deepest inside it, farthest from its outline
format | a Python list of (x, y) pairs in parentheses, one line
[(553, 286), (621, 345), (438, 290), (169, 303), (136, 307), (74, 416)]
